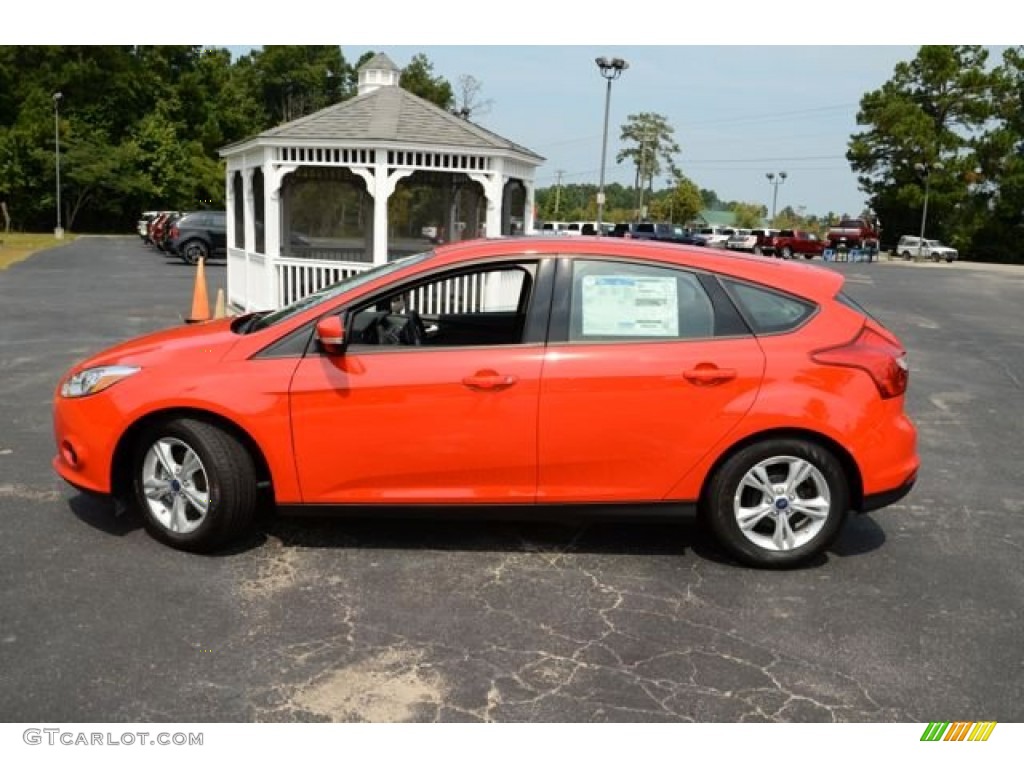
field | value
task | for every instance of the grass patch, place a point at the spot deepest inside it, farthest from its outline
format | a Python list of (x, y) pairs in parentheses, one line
[(17, 246)]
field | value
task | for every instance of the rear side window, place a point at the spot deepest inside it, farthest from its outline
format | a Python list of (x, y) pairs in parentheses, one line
[(613, 301), (768, 311)]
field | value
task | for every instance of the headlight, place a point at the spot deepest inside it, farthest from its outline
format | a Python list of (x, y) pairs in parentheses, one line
[(93, 380)]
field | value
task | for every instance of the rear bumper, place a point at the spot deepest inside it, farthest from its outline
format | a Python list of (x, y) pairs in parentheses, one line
[(885, 498)]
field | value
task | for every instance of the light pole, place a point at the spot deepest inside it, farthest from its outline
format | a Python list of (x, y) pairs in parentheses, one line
[(925, 170), (775, 180), (611, 69), (59, 231)]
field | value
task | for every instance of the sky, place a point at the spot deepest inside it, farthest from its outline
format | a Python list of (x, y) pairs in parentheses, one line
[(740, 108)]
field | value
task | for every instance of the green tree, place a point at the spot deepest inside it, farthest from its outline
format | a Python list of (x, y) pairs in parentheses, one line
[(418, 78), (996, 184), (650, 146), (923, 120), (680, 203), (297, 80), (748, 215)]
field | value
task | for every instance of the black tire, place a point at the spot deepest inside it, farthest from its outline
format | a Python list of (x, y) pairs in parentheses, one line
[(194, 250), (949, 259), (906, 256), (226, 470), (801, 537)]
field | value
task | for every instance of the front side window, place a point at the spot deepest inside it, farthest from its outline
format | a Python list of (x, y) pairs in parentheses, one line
[(479, 307), (614, 301)]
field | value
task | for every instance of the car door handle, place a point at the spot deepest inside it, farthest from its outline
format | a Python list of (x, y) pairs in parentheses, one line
[(490, 381), (707, 374)]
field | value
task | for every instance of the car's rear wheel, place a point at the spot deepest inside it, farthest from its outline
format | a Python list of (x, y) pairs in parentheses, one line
[(193, 251), (949, 259), (778, 503), (195, 485), (787, 252), (906, 255)]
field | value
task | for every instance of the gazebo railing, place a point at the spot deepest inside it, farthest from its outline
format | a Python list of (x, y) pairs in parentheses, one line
[(256, 282)]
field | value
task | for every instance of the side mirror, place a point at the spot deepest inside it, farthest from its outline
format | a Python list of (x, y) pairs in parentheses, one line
[(330, 332)]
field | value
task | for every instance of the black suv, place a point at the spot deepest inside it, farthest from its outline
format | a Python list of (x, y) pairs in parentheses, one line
[(199, 235)]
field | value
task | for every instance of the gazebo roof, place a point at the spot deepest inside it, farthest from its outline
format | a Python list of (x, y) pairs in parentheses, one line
[(389, 114)]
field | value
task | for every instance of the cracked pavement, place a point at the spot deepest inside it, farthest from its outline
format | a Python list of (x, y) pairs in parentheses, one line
[(914, 615)]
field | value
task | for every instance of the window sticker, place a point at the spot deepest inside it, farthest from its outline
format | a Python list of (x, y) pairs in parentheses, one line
[(627, 305)]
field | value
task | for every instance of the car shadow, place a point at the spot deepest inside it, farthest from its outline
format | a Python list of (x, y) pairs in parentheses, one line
[(99, 513), (677, 536)]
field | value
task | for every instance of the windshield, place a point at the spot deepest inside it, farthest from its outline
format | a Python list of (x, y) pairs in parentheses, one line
[(331, 291)]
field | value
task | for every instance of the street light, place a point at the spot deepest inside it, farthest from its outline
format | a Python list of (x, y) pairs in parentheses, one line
[(775, 181), (925, 170), (611, 69), (59, 231)]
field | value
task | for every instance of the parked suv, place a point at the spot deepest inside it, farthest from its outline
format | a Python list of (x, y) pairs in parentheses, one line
[(199, 235), (910, 245), (652, 230)]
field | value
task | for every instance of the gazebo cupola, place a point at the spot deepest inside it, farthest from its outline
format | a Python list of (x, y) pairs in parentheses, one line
[(377, 72)]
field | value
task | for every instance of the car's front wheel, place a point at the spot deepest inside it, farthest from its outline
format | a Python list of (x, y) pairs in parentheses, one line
[(195, 484), (778, 503), (787, 252), (193, 251)]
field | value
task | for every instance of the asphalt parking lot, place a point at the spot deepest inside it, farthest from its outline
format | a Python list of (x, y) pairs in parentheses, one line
[(914, 615)]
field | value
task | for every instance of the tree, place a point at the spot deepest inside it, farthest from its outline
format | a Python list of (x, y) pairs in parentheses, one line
[(996, 184), (649, 142), (297, 80), (923, 120), (681, 202), (418, 78), (469, 103), (749, 215)]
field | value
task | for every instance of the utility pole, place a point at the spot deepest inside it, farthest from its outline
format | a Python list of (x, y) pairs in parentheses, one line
[(558, 191)]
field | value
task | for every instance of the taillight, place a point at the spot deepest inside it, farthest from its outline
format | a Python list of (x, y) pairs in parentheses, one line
[(875, 354), (174, 232)]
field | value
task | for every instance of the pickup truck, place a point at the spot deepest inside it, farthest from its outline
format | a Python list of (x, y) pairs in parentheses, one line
[(854, 233), (788, 243)]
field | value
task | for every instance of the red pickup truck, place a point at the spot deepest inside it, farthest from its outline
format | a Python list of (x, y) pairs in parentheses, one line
[(854, 233), (788, 243)]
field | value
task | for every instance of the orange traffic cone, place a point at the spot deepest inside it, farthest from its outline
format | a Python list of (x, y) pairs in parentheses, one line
[(218, 307), (200, 301)]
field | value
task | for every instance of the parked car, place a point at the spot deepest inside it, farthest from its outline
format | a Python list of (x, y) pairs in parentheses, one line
[(512, 374), (158, 228), (862, 233), (143, 225), (199, 235), (763, 237), (713, 237), (911, 245), (787, 243), (653, 230), (742, 240)]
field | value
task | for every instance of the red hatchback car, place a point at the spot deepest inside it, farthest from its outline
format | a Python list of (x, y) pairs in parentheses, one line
[(517, 373)]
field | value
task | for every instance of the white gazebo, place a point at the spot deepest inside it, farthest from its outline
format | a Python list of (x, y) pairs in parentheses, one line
[(361, 182)]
